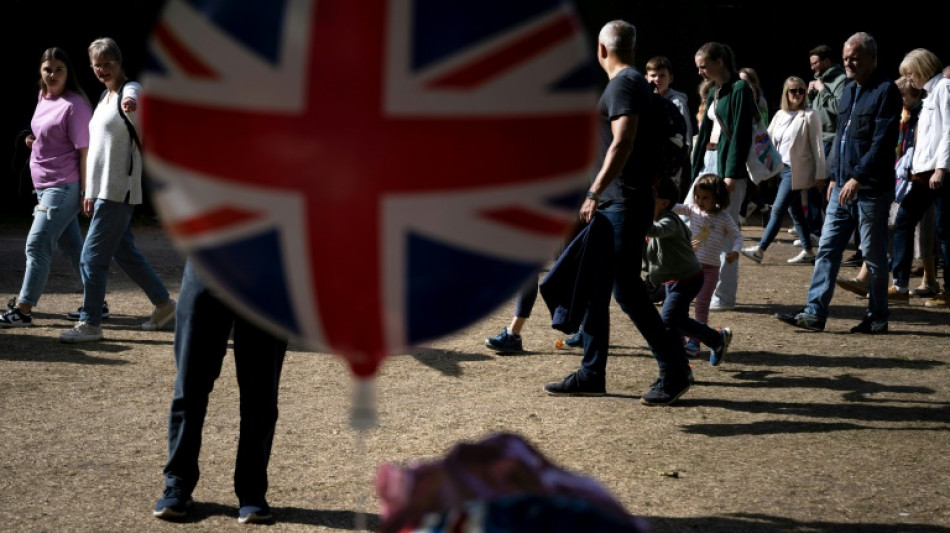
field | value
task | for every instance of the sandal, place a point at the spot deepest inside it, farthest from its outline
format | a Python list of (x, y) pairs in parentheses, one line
[(926, 291)]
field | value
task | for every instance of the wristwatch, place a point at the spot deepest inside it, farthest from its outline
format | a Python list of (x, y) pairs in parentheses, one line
[(593, 196)]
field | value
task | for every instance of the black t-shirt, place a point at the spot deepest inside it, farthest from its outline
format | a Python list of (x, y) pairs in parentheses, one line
[(628, 93)]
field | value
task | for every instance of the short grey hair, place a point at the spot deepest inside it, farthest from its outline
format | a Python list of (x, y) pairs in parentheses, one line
[(865, 42), (619, 36), (105, 47)]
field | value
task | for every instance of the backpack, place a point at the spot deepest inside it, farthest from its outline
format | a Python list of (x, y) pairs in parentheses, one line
[(668, 130), (133, 136)]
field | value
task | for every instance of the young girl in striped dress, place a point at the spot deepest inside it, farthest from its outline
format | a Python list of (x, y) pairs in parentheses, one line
[(713, 231)]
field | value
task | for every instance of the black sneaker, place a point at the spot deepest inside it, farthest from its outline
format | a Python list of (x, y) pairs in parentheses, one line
[(15, 318), (573, 385), (74, 315), (664, 392), (173, 505), (504, 343), (871, 327), (854, 261), (803, 320)]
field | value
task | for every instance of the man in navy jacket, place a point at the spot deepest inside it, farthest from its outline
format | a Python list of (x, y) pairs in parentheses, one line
[(863, 188)]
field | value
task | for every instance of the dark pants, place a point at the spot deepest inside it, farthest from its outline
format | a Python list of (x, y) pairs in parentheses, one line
[(203, 325), (526, 298), (675, 312), (630, 221), (912, 208)]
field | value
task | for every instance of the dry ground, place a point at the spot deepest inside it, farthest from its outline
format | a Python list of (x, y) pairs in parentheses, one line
[(796, 431)]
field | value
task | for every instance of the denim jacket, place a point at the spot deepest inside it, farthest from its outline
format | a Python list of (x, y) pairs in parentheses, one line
[(871, 118)]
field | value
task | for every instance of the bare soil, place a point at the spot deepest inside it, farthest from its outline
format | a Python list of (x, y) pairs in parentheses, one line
[(795, 432)]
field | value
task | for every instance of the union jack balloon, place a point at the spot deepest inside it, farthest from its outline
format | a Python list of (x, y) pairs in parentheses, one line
[(363, 176)]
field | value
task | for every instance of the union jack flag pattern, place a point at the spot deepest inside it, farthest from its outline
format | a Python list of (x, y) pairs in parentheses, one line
[(365, 176)]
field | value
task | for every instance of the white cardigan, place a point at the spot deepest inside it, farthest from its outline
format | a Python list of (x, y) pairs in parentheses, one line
[(806, 155), (932, 146)]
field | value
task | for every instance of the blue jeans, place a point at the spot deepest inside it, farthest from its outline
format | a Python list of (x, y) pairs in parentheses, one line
[(110, 237), (55, 223), (203, 325), (912, 209), (786, 200), (675, 312), (630, 221), (869, 214)]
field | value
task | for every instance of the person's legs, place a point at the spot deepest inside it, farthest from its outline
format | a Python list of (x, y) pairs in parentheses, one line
[(595, 328), (701, 304), (725, 295), (110, 221), (942, 213), (139, 270), (840, 221), (524, 305), (815, 210), (55, 214), (258, 358), (675, 312), (872, 220), (912, 207), (202, 327), (779, 206), (926, 243), (631, 293), (799, 219)]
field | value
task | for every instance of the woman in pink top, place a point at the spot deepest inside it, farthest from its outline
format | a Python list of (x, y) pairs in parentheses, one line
[(58, 143)]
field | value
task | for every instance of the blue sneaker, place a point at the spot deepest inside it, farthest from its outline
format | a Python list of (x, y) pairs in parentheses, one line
[(692, 348), (504, 343), (575, 341), (173, 505), (716, 356), (255, 514)]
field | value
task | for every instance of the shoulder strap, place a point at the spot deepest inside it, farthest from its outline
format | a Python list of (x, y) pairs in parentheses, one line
[(722, 125), (125, 118)]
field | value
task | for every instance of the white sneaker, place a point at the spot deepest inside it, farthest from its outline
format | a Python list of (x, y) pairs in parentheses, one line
[(814, 241), (803, 257), (162, 315), (82, 332), (792, 231), (753, 253)]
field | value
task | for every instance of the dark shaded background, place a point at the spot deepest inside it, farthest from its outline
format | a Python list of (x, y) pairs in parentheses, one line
[(763, 35)]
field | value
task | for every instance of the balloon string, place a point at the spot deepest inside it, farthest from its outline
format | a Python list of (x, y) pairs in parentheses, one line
[(362, 419), (360, 519)]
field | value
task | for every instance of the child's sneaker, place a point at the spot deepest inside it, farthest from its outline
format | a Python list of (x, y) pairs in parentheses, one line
[(717, 355), (692, 348), (15, 318)]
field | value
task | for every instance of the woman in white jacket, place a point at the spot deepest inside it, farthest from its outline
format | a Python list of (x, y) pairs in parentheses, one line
[(796, 131)]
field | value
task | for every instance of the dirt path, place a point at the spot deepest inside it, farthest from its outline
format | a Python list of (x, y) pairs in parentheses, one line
[(796, 431)]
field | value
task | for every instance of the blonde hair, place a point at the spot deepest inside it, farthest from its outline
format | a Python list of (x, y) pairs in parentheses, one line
[(920, 62), (786, 101)]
